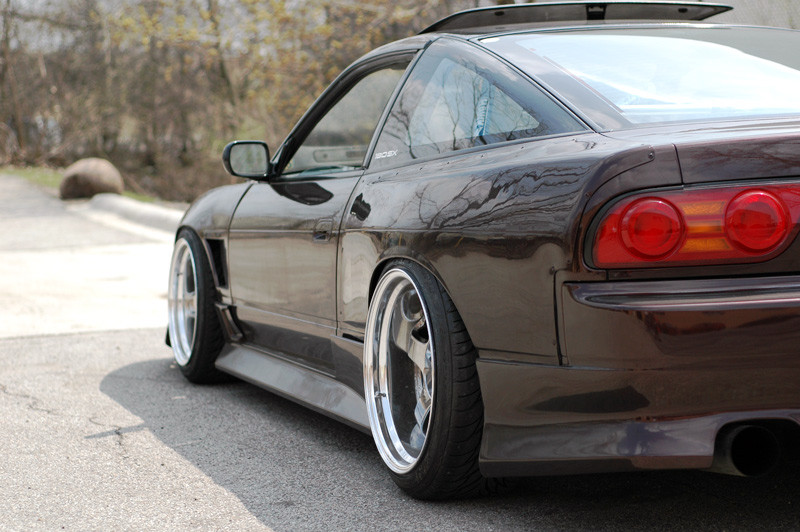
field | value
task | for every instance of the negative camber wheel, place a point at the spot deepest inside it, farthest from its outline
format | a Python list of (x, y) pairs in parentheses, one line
[(194, 328), (421, 386)]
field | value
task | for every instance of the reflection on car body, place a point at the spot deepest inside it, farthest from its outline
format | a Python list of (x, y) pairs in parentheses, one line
[(531, 240)]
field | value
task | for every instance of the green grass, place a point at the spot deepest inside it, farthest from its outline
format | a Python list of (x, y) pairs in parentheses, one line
[(40, 175), (139, 197), (51, 178)]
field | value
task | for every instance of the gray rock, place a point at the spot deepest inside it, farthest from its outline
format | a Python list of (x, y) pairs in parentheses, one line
[(87, 177)]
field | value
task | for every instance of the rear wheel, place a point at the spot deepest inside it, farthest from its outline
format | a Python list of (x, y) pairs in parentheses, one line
[(194, 329), (421, 386)]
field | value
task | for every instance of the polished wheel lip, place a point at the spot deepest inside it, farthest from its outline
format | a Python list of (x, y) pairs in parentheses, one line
[(182, 300), (391, 301)]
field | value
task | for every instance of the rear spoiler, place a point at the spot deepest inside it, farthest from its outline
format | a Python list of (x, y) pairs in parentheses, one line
[(491, 17)]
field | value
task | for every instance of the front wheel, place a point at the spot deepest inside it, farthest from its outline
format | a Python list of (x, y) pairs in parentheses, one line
[(421, 386), (194, 328)]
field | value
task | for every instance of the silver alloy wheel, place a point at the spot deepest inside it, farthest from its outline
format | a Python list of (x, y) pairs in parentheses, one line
[(182, 302), (399, 370)]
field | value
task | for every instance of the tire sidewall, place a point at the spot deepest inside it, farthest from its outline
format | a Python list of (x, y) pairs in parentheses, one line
[(428, 465), (207, 337)]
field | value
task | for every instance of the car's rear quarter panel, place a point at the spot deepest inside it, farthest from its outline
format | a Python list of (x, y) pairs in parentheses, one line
[(739, 324), (658, 359), (494, 225), (643, 318)]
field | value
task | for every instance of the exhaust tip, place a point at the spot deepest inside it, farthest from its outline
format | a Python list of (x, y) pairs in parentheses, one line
[(746, 451)]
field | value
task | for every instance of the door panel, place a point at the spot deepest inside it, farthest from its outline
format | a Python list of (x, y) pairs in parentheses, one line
[(284, 235), (282, 255)]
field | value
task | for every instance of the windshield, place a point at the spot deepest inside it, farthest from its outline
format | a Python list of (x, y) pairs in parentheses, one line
[(662, 75)]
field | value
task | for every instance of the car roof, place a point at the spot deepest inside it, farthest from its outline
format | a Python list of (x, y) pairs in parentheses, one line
[(492, 19), (477, 23)]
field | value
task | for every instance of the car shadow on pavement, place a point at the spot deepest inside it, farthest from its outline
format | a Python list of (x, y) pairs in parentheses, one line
[(295, 469)]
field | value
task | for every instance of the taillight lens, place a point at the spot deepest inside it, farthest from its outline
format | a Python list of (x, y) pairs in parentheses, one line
[(651, 228), (687, 227), (756, 221)]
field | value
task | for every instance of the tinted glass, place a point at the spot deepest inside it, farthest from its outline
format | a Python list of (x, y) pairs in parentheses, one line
[(458, 97), (340, 139), (657, 75)]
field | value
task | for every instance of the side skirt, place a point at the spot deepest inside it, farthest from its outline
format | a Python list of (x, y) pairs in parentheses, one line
[(302, 385)]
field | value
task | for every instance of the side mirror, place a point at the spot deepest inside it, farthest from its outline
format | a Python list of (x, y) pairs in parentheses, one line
[(247, 158)]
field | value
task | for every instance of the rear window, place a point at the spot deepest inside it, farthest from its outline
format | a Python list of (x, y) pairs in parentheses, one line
[(663, 75), (459, 97)]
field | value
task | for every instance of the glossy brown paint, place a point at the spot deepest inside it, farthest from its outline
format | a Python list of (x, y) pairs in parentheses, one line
[(627, 367), (580, 369), (494, 225), (729, 151), (211, 213), (735, 152), (684, 325), (282, 246), (656, 369), (210, 216)]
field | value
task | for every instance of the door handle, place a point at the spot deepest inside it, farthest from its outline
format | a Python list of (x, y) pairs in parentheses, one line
[(323, 230)]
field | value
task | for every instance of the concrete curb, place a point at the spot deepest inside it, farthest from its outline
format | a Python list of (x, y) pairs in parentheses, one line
[(152, 215)]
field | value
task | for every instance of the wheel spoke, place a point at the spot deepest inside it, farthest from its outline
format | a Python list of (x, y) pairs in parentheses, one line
[(402, 329), (422, 410), (190, 308), (417, 437), (418, 353), (183, 302), (399, 370)]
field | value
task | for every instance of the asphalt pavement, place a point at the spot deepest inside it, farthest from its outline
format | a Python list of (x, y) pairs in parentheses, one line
[(99, 431)]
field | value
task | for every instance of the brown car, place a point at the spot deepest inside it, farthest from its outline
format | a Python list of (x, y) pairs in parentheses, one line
[(534, 239)]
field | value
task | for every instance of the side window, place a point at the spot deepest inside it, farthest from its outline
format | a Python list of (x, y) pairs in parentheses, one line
[(458, 97), (339, 141)]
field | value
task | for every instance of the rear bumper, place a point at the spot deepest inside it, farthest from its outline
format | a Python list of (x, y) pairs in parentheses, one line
[(654, 370)]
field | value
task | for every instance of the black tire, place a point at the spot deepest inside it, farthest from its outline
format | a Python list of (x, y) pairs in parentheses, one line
[(445, 465), (195, 333)]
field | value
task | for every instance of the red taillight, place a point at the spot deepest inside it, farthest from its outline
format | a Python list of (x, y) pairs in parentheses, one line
[(651, 228), (756, 221), (687, 227)]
